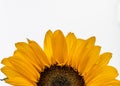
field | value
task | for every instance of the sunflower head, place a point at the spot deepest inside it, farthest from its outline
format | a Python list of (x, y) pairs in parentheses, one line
[(64, 61)]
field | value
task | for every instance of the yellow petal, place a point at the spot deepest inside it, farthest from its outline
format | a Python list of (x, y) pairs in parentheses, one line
[(70, 40), (112, 83), (25, 48), (41, 56), (9, 72), (91, 60), (59, 47), (76, 52), (12, 70), (104, 59), (106, 82), (90, 42), (23, 59), (21, 55), (6, 62), (48, 45), (19, 81), (86, 48), (101, 62), (106, 73), (23, 69)]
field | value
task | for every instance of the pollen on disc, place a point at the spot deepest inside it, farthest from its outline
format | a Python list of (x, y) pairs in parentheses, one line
[(60, 76)]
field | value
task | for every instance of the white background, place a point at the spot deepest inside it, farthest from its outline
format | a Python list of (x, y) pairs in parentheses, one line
[(21, 19)]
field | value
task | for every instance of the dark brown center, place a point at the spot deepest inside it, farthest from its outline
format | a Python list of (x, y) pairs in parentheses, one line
[(60, 76)]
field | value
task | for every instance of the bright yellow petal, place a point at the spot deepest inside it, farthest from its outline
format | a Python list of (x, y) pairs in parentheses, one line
[(6, 62), (11, 74), (76, 52), (106, 73), (112, 83), (59, 47), (106, 82), (70, 40), (14, 67), (41, 56), (48, 46), (19, 81), (92, 58), (101, 62), (20, 66), (21, 55), (104, 59), (25, 48), (90, 42), (21, 58), (86, 48)]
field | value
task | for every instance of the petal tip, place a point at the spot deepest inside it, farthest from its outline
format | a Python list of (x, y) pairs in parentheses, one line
[(93, 38)]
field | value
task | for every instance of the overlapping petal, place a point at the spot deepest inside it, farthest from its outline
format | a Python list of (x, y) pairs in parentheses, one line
[(55, 47), (29, 60)]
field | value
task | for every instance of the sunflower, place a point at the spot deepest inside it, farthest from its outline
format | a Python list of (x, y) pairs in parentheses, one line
[(64, 61)]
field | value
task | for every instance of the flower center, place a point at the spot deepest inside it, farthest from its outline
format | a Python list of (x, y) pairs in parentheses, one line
[(60, 76)]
